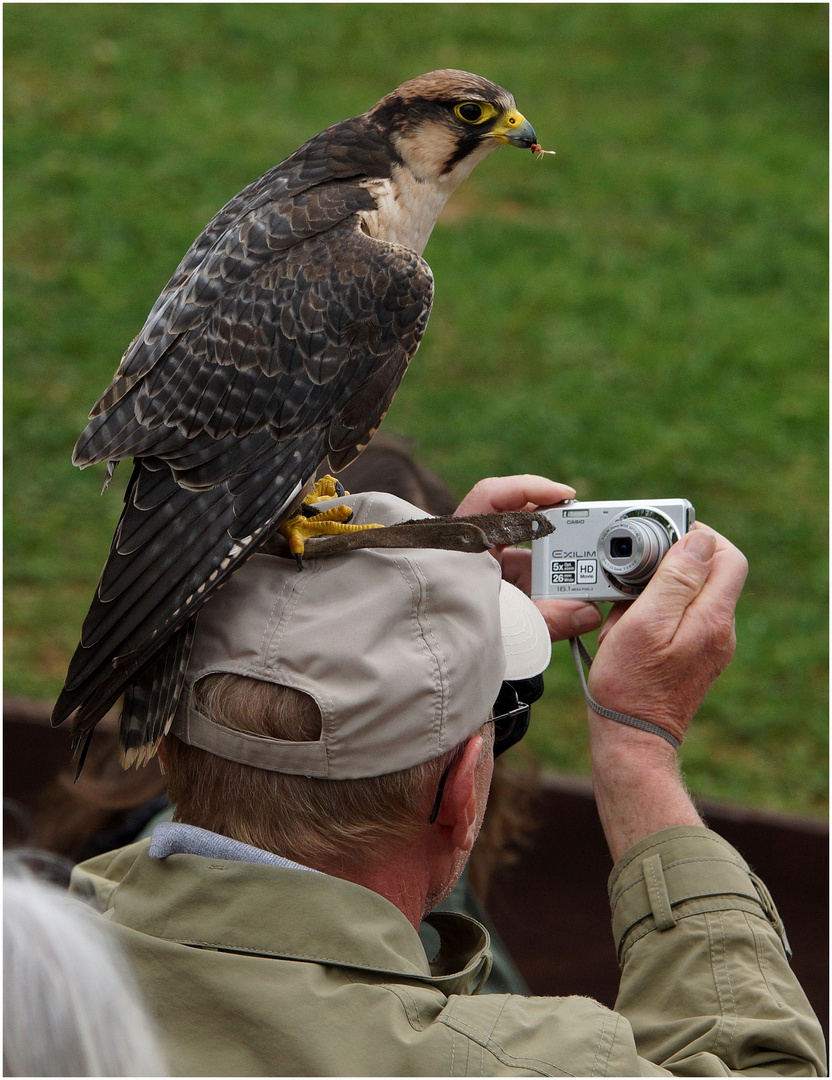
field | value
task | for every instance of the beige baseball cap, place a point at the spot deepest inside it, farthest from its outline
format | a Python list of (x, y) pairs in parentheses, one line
[(404, 650)]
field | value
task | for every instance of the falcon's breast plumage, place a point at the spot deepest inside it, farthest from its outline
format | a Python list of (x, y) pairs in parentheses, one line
[(278, 343)]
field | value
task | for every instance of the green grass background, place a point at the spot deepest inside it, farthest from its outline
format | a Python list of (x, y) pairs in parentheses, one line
[(643, 315)]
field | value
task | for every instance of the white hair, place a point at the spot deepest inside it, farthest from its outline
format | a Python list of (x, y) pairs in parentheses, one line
[(70, 1007)]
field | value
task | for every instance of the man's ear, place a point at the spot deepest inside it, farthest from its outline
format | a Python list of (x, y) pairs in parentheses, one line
[(458, 809)]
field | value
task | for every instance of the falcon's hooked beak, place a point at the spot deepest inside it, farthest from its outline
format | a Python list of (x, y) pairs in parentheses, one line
[(514, 129)]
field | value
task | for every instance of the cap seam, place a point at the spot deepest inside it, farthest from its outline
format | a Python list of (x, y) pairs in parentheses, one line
[(435, 656), (443, 671), (274, 628), (270, 643)]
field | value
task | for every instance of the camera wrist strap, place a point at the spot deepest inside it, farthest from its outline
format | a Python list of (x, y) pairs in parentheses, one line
[(581, 653)]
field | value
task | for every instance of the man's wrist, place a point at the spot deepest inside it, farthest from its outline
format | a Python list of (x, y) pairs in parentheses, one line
[(622, 746), (638, 786)]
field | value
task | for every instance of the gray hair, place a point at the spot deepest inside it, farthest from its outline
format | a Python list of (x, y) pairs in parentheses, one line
[(70, 1007)]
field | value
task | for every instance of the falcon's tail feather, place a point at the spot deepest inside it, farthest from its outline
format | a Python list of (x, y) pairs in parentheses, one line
[(150, 701), (135, 603), (83, 755)]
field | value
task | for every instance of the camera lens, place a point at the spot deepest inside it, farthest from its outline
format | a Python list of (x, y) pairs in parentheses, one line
[(621, 547), (632, 548)]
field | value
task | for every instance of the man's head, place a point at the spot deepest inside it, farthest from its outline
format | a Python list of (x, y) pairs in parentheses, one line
[(324, 707)]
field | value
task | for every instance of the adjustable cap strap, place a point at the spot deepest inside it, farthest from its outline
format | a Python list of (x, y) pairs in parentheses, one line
[(274, 755)]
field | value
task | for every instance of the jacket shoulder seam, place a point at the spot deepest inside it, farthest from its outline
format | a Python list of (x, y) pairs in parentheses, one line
[(487, 1042)]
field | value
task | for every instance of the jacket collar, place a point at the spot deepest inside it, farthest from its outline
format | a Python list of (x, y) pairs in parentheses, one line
[(265, 910)]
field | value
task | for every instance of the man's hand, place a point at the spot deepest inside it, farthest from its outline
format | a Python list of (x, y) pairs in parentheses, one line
[(499, 494), (658, 655), (657, 658)]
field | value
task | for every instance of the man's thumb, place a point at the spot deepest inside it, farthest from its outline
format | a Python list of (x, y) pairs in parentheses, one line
[(683, 572), (700, 544)]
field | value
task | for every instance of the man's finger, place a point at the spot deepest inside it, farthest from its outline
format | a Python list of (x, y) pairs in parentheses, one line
[(725, 580), (616, 611), (516, 565), (569, 618), (498, 494), (565, 618)]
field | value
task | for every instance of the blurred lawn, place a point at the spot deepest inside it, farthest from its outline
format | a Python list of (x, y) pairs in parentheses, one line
[(643, 315)]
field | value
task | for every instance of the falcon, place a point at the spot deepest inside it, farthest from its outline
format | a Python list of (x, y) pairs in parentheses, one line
[(276, 347)]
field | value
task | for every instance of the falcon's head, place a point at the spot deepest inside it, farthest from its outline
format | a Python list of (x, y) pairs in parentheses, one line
[(443, 123)]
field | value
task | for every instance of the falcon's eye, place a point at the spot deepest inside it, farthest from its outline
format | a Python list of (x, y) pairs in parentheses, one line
[(474, 112)]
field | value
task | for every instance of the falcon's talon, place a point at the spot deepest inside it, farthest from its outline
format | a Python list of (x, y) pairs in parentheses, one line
[(325, 487), (299, 528), (336, 514)]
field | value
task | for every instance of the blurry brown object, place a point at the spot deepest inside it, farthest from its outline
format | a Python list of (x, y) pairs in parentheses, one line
[(388, 465), (76, 818), (512, 816)]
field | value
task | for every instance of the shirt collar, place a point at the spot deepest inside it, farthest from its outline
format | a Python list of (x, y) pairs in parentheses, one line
[(175, 838)]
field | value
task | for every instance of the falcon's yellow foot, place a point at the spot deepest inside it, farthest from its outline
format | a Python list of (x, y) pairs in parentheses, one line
[(300, 528)]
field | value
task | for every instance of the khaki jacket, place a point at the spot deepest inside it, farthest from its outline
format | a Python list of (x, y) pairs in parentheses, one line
[(255, 970)]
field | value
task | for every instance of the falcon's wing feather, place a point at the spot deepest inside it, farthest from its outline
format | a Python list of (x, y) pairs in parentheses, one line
[(188, 536), (269, 342), (305, 194)]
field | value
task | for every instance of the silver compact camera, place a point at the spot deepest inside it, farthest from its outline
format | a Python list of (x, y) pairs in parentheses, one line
[(605, 551)]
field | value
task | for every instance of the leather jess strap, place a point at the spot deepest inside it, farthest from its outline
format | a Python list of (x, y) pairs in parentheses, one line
[(473, 533)]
